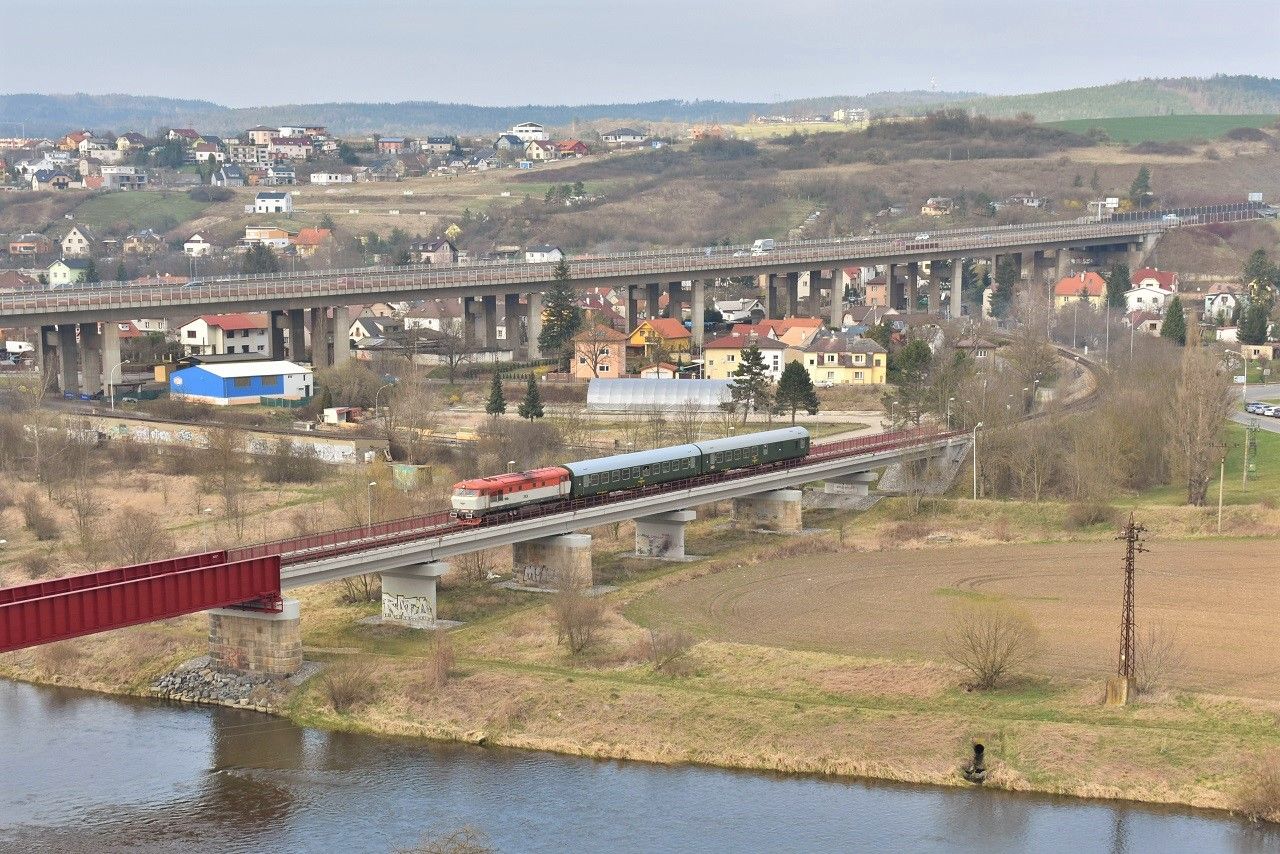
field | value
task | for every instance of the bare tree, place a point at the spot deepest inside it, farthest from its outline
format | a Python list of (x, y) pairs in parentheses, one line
[(1159, 656), (578, 618), (669, 649), (138, 537), (598, 345), (227, 470), (1201, 403), (1257, 794), (464, 840), (687, 420), (990, 640)]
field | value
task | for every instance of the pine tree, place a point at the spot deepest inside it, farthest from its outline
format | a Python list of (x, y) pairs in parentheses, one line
[(91, 272), (1006, 276), (531, 407), (795, 391), (561, 317), (1117, 284), (121, 273), (497, 404), (1174, 327), (1253, 325), (1140, 190), (750, 384)]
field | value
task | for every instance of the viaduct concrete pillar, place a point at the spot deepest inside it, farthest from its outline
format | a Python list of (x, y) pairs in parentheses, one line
[(298, 334), (90, 359), (837, 298), (341, 334), (111, 370), (662, 535), (489, 319), (256, 642), (935, 295), (1063, 261), (770, 289), (675, 300), (913, 286), (633, 308), (957, 287), (511, 320), (68, 357), (653, 294), (793, 295), (1037, 264), (1134, 255), (698, 312), (535, 325), (47, 356), (778, 510), (553, 562), (276, 321), (321, 328), (409, 594), (851, 484)]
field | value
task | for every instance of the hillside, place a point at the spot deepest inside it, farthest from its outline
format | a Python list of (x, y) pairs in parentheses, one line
[(1223, 94)]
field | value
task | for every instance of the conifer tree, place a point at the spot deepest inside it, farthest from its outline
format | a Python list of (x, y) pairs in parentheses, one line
[(796, 391), (531, 407), (1174, 327), (497, 404)]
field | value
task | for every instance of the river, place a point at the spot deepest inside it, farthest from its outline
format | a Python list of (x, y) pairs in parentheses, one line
[(92, 773)]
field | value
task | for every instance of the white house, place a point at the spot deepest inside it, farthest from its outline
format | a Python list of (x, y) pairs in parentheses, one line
[(1220, 300), (225, 333), (1146, 298), (77, 243), (331, 178), (197, 246), (529, 131), (623, 136), (123, 177), (542, 253), (740, 310), (269, 202), (292, 131)]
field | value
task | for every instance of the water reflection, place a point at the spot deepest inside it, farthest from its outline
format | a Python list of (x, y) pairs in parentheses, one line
[(89, 773)]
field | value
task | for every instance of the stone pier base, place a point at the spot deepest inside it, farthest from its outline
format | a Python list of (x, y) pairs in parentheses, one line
[(1120, 691), (409, 594), (553, 562), (778, 510), (853, 484), (662, 535), (256, 642)]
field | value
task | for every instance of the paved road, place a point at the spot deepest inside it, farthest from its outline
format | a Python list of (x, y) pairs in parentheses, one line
[(1265, 391)]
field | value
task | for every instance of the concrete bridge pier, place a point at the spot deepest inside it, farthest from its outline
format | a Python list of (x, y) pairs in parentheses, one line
[(956, 307), (111, 370), (409, 594), (511, 320), (935, 294), (341, 334), (298, 334), (90, 359), (662, 535), (534, 327), (675, 300), (837, 299), (256, 641), (68, 357), (653, 294), (553, 562), (698, 312), (1062, 263), (276, 322), (769, 290), (489, 319), (633, 308), (793, 295), (777, 510), (47, 356), (913, 286), (321, 332), (851, 484)]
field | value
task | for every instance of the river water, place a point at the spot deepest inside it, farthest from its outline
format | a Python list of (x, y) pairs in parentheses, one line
[(91, 773)]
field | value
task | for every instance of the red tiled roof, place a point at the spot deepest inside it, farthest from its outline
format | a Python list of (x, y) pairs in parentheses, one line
[(312, 237), (1089, 283), (738, 342), (1166, 279), (228, 322)]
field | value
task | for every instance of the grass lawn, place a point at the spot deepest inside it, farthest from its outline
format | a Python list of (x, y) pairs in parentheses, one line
[(158, 210), (766, 131), (1166, 128), (1264, 477)]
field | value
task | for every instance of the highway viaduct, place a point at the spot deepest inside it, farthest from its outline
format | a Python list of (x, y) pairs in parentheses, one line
[(317, 302)]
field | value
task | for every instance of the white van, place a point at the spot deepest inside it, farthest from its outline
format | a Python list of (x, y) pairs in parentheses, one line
[(18, 347), (761, 246)]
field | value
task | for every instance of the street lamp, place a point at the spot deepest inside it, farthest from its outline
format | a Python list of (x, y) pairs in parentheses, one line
[(204, 511), (375, 397), (975, 460), (511, 466), (372, 484), (111, 387)]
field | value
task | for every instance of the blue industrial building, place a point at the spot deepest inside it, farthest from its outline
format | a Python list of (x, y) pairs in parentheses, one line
[(242, 382)]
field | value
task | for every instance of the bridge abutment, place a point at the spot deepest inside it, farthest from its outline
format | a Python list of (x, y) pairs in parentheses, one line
[(662, 535), (409, 594), (256, 641), (777, 510), (553, 562)]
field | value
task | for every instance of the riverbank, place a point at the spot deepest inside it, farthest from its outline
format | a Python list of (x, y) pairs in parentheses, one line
[(792, 704)]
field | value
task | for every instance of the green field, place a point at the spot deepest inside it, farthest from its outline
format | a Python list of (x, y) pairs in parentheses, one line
[(1166, 128), (133, 211)]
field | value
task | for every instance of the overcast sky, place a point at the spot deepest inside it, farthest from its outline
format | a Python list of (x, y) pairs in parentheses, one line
[(497, 52)]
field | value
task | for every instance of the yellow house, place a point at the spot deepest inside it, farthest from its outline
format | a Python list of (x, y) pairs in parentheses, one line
[(722, 356), (1088, 288), (840, 360), (665, 333)]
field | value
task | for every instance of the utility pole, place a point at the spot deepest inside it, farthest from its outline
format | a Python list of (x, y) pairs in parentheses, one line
[(1121, 685)]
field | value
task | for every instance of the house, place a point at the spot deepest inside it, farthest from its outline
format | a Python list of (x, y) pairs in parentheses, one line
[(660, 334), (740, 310), (1259, 352), (280, 175), (1220, 300), (391, 145), (1146, 298), (835, 358), (185, 135), (268, 235), (50, 179), (262, 135), (623, 136), (145, 242), (1027, 200), (1087, 287), (542, 254), (268, 202), (123, 178), (30, 244), (197, 246), (309, 241), (292, 131), (508, 142), (1164, 279), (571, 148), (12, 280), (225, 333), (77, 243), (437, 144), (722, 356), (71, 142), (232, 383), (230, 175), (937, 206), (438, 251), (660, 371), (367, 328), (290, 147), (331, 178), (1143, 321), (599, 351), (529, 131), (67, 271), (437, 315), (486, 159), (977, 348), (539, 149), (252, 153), (206, 151), (131, 141)]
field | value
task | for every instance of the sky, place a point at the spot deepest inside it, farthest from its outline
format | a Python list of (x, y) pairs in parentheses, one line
[(503, 52)]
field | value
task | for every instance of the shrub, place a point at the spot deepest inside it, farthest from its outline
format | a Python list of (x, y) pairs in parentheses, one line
[(1159, 656), (990, 640), (1258, 792), (346, 687), (464, 840), (669, 649), (577, 618), (37, 565), (1085, 514), (439, 660), (361, 588), (38, 520)]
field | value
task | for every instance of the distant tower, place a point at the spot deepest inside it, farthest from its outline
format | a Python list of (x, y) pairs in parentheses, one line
[(1120, 685)]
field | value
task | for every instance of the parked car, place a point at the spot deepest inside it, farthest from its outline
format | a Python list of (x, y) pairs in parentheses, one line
[(1254, 408)]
